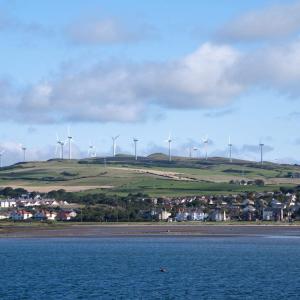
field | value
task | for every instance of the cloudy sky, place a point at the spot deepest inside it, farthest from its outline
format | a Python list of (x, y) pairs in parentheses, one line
[(133, 68)]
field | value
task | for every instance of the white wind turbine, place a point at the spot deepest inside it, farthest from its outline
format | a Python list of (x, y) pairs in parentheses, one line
[(205, 142), (195, 149), (169, 141), (190, 151), (261, 146), (70, 141), (1, 155), (91, 150), (24, 152), (61, 143), (230, 149), (114, 139), (135, 140)]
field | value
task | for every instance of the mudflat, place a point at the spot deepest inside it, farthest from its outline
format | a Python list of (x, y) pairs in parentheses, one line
[(145, 230)]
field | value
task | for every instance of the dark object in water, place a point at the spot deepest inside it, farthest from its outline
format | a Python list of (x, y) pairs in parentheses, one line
[(163, 270)]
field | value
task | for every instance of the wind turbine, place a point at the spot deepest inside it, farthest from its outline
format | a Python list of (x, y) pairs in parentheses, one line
[(205, 142), (135, 140), (24, 153), (70, 140), (169, 141), (61, 143), (114, 139), (91, 151), (1, 154), (195, 149), (230, 149), (261, 145), (190, 151)]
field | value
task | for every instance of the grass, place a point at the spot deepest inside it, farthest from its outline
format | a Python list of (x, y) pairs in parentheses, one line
[(123, 175)]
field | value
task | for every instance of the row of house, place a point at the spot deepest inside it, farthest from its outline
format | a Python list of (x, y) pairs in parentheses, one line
[(21, 202), (40, 215), (244, 206)]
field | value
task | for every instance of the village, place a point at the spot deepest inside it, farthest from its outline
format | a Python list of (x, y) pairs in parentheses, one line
[(263, 206), (37, 208)]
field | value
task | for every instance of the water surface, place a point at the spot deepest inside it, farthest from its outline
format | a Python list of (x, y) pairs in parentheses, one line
[(128, 268)]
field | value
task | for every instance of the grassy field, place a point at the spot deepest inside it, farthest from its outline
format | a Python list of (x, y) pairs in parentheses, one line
[(154, 176)]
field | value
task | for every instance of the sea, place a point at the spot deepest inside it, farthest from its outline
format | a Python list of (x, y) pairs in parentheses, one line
[(131, 268)]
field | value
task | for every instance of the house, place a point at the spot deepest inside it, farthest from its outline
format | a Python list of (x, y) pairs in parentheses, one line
[(45, 215), (197, 215), (273, 214), (218, 215), (249, 213), (164, 215), (66, 215), (20, 215), (8, 203), (4, 215), (181, 216)]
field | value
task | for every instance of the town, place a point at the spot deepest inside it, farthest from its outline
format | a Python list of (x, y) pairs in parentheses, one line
[(280, 206)]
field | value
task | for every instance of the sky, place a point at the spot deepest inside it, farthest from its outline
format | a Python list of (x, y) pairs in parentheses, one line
[(147, 69)]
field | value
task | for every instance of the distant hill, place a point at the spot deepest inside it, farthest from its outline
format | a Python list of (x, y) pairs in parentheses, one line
[(153, 175)]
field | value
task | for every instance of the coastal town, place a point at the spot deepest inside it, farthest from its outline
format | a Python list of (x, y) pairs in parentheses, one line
[(255, 206)]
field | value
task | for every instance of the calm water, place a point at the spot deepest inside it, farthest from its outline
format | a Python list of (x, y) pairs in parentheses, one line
[(128, 268)]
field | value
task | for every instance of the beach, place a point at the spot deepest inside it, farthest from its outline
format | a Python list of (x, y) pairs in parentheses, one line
[(143, 230)]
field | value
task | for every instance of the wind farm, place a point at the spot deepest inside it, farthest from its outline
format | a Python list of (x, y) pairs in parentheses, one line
[(166, 173)]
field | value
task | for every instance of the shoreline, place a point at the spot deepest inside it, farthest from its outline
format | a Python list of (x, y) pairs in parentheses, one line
[(146, 230)]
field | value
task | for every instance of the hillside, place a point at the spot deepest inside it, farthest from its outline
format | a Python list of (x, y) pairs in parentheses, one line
[(154, 175)]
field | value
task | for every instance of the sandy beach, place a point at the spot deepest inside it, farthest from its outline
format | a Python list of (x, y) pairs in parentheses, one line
[(135, 230)]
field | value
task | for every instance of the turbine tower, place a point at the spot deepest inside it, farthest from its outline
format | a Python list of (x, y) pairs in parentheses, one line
[(190, 151), (1, 154), (61, 143), (24, 153), (230, 149), (261, 145), (135, 140), (195, 149), (91, 151), (205, 142), (70, 140), (114, 139), (169, 141)]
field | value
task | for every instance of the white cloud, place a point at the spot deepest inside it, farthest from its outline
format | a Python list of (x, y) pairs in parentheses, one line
[(272, 67), (209, 78), (128, 92), (269, 23), (106, 31)]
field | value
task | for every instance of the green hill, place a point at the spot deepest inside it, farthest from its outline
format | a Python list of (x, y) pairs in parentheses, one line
[(153, 175)]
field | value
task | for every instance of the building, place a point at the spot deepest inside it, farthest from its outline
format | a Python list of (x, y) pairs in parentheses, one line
[(20, 215), (7, 203), (66, 215), (197, 215), (164, 215), (45, 215), (218, 215)]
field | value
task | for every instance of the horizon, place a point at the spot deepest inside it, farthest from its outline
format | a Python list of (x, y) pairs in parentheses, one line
[(146, 70)]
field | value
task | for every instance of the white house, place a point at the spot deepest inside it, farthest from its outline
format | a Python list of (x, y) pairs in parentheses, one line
[(197, 216), (4, 215), (164, 215), (8, 203), (181, 216)]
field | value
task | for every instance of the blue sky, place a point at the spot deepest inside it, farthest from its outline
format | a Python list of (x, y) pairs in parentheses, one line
[(135, 68)]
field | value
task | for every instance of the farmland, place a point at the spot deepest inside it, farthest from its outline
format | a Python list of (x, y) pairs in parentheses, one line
[(153, 175)]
